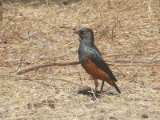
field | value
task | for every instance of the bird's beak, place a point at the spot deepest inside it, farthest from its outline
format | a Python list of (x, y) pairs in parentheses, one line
[(76, 32)]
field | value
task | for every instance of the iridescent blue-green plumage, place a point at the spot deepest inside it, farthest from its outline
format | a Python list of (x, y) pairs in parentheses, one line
[(91, 52), (88, 51)]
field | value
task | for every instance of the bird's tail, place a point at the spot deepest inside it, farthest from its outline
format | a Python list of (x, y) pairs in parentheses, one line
[(116, 87), (111, 82)]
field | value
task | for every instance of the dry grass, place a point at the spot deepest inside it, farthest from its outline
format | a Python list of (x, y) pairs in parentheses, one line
[(126, 31)]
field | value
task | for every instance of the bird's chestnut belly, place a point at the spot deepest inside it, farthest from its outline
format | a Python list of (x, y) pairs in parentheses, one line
[(94, 71)]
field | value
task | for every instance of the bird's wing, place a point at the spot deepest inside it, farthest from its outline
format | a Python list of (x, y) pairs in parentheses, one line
[(98, 60), (97, 50)]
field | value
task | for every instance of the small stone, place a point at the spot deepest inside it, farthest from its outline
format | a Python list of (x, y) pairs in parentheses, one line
[(144, 116), (113, 118), (65, 2)]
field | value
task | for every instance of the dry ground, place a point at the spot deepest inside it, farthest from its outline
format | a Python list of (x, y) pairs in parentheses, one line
[(126, 31)]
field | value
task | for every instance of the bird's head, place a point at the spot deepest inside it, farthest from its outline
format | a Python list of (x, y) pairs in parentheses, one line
[(85, 34)]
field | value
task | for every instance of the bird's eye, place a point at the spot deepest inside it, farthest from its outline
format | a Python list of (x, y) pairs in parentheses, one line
[(83, 32)]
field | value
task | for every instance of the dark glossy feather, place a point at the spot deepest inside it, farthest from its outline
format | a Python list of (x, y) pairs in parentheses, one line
[(98, 60)]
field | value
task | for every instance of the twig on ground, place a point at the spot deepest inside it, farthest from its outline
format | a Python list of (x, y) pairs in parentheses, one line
[(77, 63), (45, 65)]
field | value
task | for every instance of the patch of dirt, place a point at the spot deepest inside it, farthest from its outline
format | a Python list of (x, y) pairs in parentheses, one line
[(126, 32)]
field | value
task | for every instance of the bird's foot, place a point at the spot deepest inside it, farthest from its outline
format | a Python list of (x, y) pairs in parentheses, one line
[(94, 96), (98, 93), (95, 93)]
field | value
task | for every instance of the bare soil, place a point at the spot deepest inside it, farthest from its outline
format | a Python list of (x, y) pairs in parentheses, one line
[(127, 32)]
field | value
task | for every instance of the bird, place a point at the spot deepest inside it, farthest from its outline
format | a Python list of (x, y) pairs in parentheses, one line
[(92, 61)]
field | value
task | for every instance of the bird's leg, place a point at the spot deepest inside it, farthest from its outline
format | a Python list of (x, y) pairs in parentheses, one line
[(94, 95), (94, 91), (102, 86), (96, 87)]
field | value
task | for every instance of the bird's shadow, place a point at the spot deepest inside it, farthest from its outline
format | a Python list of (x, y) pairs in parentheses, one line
[(89, 92), (85, 91)]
